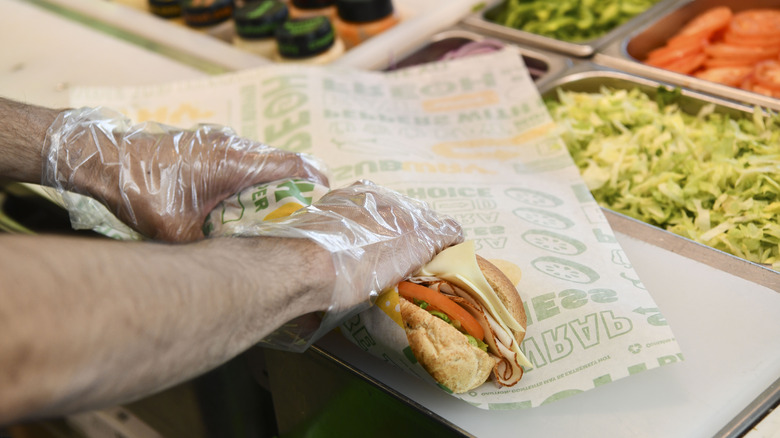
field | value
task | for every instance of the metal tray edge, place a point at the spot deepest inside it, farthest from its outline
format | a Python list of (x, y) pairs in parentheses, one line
[(584, 49)]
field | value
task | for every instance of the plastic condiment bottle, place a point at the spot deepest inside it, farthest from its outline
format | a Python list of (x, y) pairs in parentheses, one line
[(308, 40), (256, 24), (165, 8), (359, 20), (312, 8), (206, 13)]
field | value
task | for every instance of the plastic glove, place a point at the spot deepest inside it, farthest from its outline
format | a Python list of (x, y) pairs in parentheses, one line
[(160, 180), (376, 238)]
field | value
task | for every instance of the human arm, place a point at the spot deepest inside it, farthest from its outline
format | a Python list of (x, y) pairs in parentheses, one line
[(95, 322), (22, 134)]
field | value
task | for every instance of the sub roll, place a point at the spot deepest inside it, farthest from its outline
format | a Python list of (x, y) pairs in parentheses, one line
[(464, 320)]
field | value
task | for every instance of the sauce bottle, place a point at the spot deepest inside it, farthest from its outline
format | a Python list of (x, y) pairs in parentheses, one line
[(165, 8), (312, 8), (308, 40), (256, 24), (206, 13), (359, 20)]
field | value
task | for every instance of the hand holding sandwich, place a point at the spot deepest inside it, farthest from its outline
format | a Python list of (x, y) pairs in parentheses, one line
[(376, 237)]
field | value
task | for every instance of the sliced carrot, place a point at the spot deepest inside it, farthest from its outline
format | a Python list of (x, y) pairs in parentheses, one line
[(440, 302), (708, 22), (731, 76)]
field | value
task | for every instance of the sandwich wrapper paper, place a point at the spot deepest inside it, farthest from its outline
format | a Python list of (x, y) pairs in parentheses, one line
[(472, 138)]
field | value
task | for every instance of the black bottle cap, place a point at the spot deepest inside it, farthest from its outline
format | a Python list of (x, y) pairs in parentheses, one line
[(363, 11), (259, 19), (305, 37), (313, 4)]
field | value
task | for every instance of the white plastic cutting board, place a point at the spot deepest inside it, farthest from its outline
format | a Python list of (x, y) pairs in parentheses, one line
[(727, 328)]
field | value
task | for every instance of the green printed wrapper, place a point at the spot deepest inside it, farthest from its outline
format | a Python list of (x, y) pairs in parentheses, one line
[(261, 202), (472, 138)]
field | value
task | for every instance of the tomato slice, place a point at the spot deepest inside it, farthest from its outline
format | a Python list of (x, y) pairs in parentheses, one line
[(437, 300), (755, 53), (756, 22), (665, 55), (699, 40), (686, 65), (731, 76), (708, 22), (729, 62), (767, 75), (730, 37)]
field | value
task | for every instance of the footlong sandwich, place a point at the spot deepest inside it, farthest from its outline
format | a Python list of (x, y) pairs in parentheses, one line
[(464, 320)]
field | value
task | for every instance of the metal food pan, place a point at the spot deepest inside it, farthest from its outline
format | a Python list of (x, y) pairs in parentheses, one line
[(543, 66), (480, 20), (590, 78), (627, 52)]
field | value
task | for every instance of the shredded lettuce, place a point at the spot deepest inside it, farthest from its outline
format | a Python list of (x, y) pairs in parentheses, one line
[(711, 177)]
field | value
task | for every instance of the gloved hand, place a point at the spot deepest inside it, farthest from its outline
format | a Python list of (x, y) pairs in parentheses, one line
[(160, 180), (376, 238)]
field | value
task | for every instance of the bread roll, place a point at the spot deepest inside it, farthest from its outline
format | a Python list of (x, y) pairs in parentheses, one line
[(443, 351)]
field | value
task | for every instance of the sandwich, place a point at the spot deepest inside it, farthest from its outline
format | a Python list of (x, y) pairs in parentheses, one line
[(464, 320)]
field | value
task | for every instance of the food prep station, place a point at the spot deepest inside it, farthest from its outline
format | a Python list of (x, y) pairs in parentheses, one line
[(722, 308)]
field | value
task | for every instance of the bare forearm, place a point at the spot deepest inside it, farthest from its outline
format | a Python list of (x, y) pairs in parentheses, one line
[(22, 134), (103, 322)]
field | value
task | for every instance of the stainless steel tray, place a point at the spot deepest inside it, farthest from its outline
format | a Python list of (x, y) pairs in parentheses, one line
[(590, 77), (627, 52), (478, 20), (544, 66)]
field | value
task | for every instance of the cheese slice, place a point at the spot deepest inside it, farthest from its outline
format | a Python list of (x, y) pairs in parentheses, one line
[(458, 264)]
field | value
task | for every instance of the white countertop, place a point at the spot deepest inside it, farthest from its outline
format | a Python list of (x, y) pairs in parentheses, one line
[(727, 326)]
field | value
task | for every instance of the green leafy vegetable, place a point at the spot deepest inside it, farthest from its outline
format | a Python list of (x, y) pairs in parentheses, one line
[(710, 177), (477, 343), (421, 303), (440, 315), (665, 96), (567, 20)]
